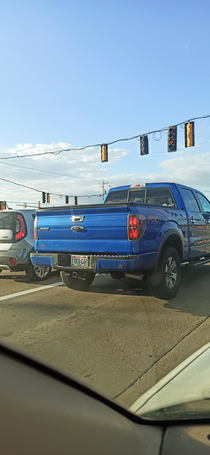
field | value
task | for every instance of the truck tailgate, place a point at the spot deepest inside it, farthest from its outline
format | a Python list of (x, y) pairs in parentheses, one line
[(103, 229)]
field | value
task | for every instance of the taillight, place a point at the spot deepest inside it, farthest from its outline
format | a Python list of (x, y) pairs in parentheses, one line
[(12, 261), (35, 230), (20, 227), (136, 226)]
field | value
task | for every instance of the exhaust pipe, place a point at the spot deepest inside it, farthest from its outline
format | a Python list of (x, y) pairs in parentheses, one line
[(134, 276)]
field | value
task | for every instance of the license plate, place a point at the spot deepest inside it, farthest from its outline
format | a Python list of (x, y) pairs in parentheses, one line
[(79, 261)]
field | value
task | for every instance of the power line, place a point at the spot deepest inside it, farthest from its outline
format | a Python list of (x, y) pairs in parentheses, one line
[(40, 191), (45, 172), (86, 179), (107, 143)]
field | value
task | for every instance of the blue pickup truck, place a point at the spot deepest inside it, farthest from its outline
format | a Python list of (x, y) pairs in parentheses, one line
[(144, 230)]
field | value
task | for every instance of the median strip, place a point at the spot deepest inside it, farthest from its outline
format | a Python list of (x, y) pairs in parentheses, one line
[(29, 291)]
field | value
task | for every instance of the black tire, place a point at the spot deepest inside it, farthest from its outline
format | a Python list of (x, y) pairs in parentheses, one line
[(80, 283), (117, 275), (163, 281), (37, 273)]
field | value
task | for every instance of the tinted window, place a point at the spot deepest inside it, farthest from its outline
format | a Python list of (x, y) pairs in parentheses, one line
[(160, 196), (117, 196), (190, 201), (205, 204), (137, 196), (7, 220)]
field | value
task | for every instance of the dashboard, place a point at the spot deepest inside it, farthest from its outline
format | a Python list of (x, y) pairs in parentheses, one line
[(45, 412)]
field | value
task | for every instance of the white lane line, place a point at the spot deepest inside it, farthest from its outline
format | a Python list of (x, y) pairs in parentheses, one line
[(29, 291)]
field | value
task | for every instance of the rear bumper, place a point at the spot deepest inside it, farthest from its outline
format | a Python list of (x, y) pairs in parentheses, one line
[(98, 263), (20, 254)]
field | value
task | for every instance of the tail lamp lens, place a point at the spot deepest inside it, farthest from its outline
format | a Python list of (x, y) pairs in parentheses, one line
[(136, 226), (35, 230), (20, 227), (12, 261)]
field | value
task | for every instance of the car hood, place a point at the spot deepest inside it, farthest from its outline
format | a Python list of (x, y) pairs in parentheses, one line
[(188, 382)]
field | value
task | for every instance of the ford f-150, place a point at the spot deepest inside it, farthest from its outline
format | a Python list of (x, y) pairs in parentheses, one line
[(143, 230)]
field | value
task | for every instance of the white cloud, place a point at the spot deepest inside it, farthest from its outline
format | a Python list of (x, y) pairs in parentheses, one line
[(81, 172), (72, 173), (192, 171)]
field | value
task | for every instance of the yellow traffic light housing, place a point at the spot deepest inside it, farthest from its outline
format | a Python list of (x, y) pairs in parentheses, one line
[(104, 153), (3, 205), (48, 198), (189, 134)]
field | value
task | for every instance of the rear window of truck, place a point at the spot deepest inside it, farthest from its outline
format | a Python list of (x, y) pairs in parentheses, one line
[(117, 196), (160, 196)]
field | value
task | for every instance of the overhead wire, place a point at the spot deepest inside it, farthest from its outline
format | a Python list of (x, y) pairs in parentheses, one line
[(40, 191), (57, 152), (153, 133), (45, 172)]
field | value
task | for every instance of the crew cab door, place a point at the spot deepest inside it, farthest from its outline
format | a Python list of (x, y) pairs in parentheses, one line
[(197, 225), (205, 208)]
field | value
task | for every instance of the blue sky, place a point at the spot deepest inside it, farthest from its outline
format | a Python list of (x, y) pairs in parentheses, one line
[(85, 72)]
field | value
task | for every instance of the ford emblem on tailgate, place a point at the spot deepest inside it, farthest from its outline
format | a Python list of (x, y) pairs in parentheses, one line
[(77, 228)]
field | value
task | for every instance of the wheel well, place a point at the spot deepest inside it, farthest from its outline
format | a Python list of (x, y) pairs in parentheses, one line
[(175, 241)]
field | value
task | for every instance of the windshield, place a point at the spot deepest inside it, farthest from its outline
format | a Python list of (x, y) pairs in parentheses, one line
[(104, 206)]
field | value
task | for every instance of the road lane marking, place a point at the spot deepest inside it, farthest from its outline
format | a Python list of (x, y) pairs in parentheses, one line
[(29, 291)]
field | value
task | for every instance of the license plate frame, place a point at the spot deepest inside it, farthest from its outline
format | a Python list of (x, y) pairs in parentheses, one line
[(80, 261)]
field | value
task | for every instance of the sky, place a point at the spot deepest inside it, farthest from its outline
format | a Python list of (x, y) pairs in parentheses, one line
[(78, 73)]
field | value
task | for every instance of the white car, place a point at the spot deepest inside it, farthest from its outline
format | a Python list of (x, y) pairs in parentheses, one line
[(17, 242)]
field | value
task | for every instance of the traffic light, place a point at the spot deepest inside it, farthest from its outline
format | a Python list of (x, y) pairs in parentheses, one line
[(3, 205), (67, 199), (48, 198), (172, 136), (43, 197), (75, 200), (104, 153), (189, 134), (144, 145)]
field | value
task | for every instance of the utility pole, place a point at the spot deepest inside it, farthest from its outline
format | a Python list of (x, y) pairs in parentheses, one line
[(103, 188)]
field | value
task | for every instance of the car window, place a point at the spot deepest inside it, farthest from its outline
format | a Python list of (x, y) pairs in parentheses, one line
[(205, 204), (160, 196), (117, 196), (7, 220), (190, 201), (137, 196)]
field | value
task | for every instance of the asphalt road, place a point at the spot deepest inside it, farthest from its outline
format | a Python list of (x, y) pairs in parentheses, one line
[(116, 337)]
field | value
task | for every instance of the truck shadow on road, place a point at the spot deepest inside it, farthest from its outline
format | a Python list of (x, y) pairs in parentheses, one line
[(124, 286), (194, 294)]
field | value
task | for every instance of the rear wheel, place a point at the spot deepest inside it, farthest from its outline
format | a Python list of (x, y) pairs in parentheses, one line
[(79, 281), (163, 282), (37, 273)]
